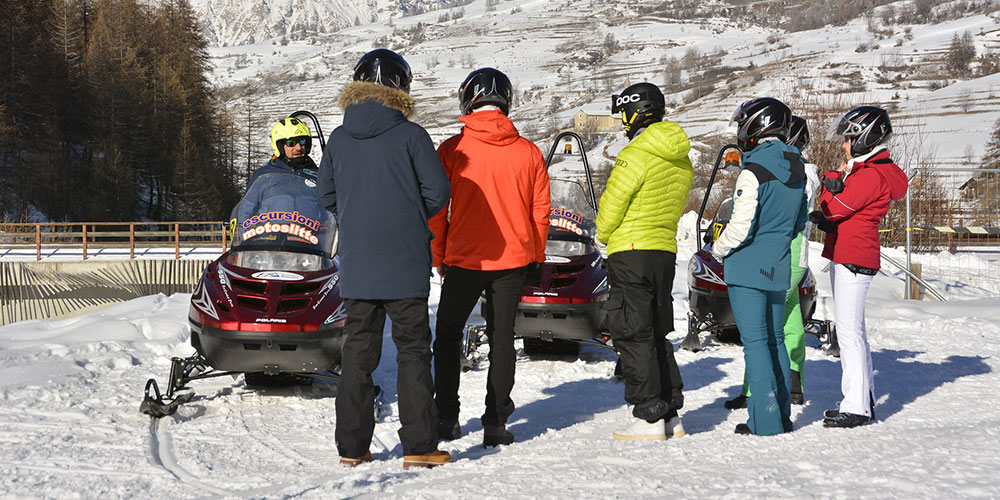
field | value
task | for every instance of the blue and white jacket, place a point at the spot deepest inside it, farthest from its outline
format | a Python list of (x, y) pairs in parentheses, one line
[(769, 209)]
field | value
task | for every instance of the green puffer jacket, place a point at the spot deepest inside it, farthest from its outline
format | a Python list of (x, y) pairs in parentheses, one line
[(647, 191)]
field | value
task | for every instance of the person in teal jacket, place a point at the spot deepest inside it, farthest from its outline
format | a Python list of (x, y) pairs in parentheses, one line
[(794, 332), (769, 209), (637, 220)]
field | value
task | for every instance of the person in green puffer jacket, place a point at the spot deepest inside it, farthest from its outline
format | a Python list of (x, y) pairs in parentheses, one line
[(637, 220)]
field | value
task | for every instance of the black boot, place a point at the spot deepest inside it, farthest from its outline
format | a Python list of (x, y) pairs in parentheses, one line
[(449, 430), (743, 429), (496, 435), (831, 413), (847, 420), (796, 397), (737, 402)]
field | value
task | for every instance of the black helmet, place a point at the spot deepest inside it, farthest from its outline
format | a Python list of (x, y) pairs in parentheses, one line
[(640, 105), (864, 126), (759, 118), (798, 133), (385, 67), (485, 86)]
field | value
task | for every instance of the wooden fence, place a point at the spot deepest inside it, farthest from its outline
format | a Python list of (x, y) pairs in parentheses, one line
[(96, 235)]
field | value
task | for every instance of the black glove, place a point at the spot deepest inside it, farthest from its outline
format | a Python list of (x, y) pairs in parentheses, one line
[(817, 218), (533, 273), (833, 184)]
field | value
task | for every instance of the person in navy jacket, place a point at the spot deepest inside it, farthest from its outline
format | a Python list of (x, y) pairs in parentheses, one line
[(381, 178), (853, 200), (769, 209)]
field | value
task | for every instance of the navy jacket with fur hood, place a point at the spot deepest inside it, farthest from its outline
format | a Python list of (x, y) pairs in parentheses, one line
[(382, 179)]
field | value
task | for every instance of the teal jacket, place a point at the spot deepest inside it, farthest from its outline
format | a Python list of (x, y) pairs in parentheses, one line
[(769, 210)]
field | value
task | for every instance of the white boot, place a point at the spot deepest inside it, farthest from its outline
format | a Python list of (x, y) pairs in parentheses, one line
[(656, 431), (675, 427)]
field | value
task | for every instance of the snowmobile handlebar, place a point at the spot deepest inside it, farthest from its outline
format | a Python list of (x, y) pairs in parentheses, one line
[(315, 123), (583, 154), (711, 180)]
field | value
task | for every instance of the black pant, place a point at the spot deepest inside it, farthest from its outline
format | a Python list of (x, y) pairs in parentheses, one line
[(459, 294), (356, 393), (640, 314)]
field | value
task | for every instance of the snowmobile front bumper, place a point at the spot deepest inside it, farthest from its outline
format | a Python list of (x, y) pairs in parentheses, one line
[(550, 321), (270, 352)]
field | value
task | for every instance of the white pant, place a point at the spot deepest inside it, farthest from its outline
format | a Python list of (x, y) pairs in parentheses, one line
[(857, 382)]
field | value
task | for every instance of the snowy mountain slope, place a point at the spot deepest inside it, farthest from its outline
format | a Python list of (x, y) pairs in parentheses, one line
[(69, 425), (556, 54), (239, 22)]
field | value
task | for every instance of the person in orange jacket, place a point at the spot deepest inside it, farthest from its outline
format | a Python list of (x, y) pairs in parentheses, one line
[(489, 238)]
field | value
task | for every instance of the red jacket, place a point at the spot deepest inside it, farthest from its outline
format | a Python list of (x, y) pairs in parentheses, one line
[(499, 212), (872, 184)]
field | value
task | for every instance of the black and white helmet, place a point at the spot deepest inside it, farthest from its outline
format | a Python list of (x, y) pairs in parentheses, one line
[(384, 67), (640, 105), (865, 127), (485, 86), (759, 118), (798, 133)]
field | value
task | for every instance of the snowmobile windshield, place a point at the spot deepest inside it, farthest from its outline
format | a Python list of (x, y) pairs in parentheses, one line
[(571, 218), (722, 216), (280, 221)]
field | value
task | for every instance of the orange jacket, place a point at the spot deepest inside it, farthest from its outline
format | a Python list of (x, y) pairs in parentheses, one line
[(499, 212)]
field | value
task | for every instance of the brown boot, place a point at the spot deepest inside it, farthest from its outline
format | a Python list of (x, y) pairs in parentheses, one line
[(354, 462), (427, 460)]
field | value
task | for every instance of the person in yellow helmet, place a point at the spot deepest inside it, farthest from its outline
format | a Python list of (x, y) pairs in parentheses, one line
[(290, 145), (291, 142)]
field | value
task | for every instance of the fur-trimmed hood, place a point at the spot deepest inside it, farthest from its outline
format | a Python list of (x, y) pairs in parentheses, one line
[(358, 92), (371, 109)]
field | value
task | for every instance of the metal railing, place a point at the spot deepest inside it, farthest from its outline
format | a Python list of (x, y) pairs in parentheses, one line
[(97, 235)]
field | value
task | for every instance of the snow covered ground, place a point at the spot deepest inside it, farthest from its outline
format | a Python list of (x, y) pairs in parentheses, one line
[(70, 426)]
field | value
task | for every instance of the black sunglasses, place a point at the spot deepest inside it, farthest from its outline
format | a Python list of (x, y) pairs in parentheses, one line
[(301, 140)]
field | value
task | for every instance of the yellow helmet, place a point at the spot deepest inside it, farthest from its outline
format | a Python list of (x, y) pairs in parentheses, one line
[(287, 128)]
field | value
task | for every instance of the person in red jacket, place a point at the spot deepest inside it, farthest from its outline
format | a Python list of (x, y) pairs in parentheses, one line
[(853, 200), (492, 235)]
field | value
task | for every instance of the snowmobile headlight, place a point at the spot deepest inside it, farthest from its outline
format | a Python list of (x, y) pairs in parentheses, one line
[(565, 248), (269, 260)]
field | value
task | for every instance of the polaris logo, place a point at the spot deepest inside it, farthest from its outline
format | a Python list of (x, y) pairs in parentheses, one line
[(271, 320)]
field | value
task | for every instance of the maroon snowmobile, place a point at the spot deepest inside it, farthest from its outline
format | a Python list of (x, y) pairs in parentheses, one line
[(565, 307), (268, 308), (707, 291)]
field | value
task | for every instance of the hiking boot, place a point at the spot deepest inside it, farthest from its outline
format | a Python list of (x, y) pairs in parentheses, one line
[(496, 435), (828, 414), (797, 398), (743, 429), (449, 430), (651, 431), (737, 402), (847, 420), (427, 460), (354, 462)]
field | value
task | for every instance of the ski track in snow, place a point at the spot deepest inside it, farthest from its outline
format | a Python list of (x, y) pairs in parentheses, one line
[(70, 427)]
